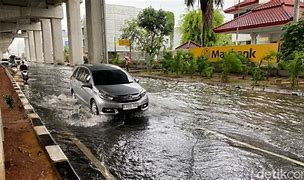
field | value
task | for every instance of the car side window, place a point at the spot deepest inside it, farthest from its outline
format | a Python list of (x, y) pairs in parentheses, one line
[(75, 72), (80, 74), (86, 74)]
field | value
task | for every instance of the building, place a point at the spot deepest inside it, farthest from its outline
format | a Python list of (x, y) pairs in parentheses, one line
[(259, 21), (115, 15)]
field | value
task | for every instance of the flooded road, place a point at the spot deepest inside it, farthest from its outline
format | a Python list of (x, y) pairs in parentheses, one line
[(191, 130)]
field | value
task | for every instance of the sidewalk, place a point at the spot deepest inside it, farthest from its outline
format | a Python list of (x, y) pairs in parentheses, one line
[(24, 158)]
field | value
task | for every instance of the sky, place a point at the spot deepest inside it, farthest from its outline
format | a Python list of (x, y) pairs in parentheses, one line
[(176, 6)]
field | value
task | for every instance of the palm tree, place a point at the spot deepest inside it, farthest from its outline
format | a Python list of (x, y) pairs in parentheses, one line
[(207, 8)]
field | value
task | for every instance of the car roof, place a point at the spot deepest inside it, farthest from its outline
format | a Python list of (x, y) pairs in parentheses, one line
[(96, 67)]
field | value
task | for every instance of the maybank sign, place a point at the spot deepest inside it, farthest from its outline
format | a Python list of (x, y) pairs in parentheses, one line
[(253, 52)]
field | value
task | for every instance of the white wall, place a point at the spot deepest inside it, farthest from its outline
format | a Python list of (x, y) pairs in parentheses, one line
[(116, 15)]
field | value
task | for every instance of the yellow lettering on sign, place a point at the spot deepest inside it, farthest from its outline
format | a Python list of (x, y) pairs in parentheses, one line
[(254, 53), (123, 42)]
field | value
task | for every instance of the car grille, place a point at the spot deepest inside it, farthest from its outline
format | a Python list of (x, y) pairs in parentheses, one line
[(127, 98)]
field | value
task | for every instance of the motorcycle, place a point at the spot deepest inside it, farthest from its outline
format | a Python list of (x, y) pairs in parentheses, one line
[(25, 76)]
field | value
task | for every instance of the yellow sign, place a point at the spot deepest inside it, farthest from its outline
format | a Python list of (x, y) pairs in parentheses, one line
[(123, 42), (254, 53)]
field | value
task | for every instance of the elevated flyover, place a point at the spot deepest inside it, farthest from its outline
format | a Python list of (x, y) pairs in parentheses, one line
[(39, 23)]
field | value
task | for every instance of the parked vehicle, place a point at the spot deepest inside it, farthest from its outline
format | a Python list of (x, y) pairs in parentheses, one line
[(108, 89), (4, 62), (12, 61)]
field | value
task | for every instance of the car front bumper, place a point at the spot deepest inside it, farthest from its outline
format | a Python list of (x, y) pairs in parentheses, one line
[(114, 108)]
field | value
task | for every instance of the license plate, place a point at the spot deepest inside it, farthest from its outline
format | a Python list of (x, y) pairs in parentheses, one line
[(129, 106)]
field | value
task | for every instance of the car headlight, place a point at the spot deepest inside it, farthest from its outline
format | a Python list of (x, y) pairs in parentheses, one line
[(106, 96), (143, 93)]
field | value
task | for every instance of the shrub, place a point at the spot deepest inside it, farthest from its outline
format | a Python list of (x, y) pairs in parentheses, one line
[(202, 64), (9, 100), (257, 74), (269, 60), (190, 64), (116, 60), (66, 54), (166, 62), (178, 64), (295, 67), (231, 63), (209, 71)]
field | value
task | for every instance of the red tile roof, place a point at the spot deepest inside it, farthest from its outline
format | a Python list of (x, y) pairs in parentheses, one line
[(187, 45), (275, 12), (241, 5)]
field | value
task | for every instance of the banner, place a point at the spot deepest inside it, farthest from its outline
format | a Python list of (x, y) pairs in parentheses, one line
[(253, 52)]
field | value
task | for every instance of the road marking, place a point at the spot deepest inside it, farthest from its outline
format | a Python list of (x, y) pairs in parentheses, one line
[(220, 135), (87, 152)]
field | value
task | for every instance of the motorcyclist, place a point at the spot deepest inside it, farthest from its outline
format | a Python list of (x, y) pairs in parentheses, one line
[(23, 67)]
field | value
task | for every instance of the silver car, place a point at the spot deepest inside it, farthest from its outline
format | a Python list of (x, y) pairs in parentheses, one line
[(108, 89)]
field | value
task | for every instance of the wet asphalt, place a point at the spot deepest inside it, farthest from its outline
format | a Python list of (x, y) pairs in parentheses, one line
[(181, 136)]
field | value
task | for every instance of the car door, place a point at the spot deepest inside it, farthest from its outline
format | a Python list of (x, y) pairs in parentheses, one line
[(85, 92), (73, 80)]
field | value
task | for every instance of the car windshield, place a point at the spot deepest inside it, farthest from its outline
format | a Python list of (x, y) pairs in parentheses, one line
[(111, 77)]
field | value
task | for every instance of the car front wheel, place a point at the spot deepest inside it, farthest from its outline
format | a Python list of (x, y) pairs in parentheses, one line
[(94, 108)]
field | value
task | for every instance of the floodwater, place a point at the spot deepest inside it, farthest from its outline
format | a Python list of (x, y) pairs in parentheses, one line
[(191, 131)]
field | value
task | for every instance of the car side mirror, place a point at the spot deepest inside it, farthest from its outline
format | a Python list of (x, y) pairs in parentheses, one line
[(89, 85), (136, 80)]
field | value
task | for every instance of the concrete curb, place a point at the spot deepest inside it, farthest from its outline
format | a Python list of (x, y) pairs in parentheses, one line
[(244, 88), (55, 153), (2, 158)]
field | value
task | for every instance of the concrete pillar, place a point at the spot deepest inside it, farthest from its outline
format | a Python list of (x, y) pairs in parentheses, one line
[(47, 41), (38, 46), (74, 32), (32, 46), (27, 48), (57, 41), (253, 38), (95, 22)]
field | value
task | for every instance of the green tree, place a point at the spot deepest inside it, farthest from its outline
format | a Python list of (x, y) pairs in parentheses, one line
[(131, 31), (292, 39), (156, 28), (149, 31), (171, 23), (207, 8), (191, 28)]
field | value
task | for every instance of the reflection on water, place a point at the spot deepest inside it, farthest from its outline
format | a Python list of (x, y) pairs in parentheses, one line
[(166, 142)]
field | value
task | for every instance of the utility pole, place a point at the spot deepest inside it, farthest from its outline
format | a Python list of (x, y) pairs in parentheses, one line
[(296, 11), (238, 24)]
